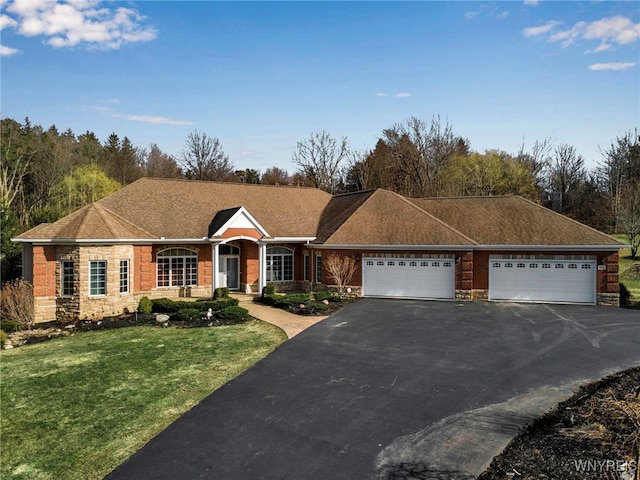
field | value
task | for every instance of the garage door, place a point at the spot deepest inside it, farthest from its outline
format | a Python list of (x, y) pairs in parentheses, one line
[(567, 281), (408, 277)]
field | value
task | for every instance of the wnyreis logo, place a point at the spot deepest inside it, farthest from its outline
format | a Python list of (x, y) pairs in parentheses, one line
[(620, 469)]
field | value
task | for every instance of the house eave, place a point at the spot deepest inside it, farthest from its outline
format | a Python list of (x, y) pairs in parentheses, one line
[(594, 248), (324, 246), (109, 241)]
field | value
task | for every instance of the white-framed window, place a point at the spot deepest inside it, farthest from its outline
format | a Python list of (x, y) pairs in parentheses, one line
[(306, 267), (177, 267), (279, 264), (67, 284), (124, 276), (318, 268), (97, 277)]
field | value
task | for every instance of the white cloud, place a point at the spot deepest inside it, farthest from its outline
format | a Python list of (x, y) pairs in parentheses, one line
[(394, 95), (7, 22), (71, 23), (609, 32), (7, 51), (403, 95), (471, 15), (502, 15), (381, 94), (612, 66), (533, 3), (541, 29), (152, 119)]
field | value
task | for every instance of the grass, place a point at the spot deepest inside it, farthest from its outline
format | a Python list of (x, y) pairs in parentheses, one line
[(633, 284), (77, 407)]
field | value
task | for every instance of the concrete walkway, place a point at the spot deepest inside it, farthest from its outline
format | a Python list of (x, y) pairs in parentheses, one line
[(290, 323)]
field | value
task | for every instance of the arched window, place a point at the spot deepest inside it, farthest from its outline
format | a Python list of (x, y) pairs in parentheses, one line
[(228, 250), (279, 264), (177, 267)]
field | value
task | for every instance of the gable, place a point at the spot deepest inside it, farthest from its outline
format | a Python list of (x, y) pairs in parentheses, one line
[(236, 222)]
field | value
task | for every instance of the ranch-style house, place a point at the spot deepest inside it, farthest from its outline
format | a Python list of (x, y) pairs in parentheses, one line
[(178, 238)]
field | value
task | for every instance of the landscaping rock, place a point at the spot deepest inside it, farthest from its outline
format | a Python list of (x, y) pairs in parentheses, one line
[(162, 318), (326, 302)]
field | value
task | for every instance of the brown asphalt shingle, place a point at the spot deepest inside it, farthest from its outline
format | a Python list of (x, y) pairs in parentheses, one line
[(386, 218), (511, 220)]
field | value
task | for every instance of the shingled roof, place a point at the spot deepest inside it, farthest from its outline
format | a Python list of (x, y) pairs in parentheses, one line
[(151, 209), (382, 217), (511, 220), (182, 209)]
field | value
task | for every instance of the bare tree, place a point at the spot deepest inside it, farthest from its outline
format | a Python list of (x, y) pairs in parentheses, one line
[(203, 159), (17, 302), (629, 214), (421, 151), (565, 173), (275, 176), (156, 163), (341, 269), (319, 159)]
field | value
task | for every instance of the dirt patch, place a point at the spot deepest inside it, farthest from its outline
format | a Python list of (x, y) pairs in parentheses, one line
[(593, 435)]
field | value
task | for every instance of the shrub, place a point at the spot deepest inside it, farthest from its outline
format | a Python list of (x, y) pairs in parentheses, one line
[(219, 304), (291, 300), (3, 338), (326, 295), (163, 305), (625, 296), (232, 315), (221, 292), (188, 314), (314, 308), (269, 299), (7, 325), (145, 306), (16, 302), (269, 290)]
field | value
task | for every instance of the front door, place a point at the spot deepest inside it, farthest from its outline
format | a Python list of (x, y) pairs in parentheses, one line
[(229, 272)]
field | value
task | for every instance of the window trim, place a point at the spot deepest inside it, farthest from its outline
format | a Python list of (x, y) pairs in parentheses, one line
[(306, 264), (318, 269), (127, 278), (100, 279), (64, 278), (269, 257), (186, 261)]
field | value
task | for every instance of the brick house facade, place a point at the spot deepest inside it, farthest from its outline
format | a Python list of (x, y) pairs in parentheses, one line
[(167, 238)]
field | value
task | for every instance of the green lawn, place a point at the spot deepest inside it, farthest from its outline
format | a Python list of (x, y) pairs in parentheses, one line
[(633, 284), (77, 407)]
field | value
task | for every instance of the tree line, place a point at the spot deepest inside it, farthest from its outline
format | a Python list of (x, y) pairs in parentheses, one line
[(46, 174)]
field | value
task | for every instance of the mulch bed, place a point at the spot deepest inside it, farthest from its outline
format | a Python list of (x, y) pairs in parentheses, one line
[(593, 435)]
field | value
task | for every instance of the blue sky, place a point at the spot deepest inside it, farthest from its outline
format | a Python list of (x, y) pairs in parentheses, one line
[(262, 76)]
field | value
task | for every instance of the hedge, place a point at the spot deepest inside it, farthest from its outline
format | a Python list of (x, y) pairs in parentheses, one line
[(166, 305)]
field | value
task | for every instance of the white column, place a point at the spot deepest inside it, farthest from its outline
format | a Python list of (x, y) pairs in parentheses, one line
[(216, 266), (262, 269)]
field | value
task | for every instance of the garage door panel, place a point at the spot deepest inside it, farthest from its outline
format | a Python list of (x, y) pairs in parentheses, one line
[(405, 277), (542, 280)]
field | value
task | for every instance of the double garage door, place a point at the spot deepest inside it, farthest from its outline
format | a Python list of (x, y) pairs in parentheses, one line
[(567, 281), (408, 277)]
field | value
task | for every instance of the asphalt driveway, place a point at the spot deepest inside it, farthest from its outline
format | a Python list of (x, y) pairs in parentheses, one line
[(386, 387)]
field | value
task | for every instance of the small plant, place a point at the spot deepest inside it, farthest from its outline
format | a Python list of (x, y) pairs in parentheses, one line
[(9, 325), (326, 295), (188, 314), (314, 308), (625, 296), (3, 338), (145, 306), (231, 315), (221, 292), (294, 299), (341, 269), (269, 289)]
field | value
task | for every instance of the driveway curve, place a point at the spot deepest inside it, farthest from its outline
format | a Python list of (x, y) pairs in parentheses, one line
[(386, 386)]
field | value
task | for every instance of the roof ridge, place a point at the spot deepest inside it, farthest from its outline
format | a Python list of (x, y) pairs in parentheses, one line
[(187, 180), (120, 219), (464, 197), (565, 217), (442, 222), (84, 216), (348, 217)]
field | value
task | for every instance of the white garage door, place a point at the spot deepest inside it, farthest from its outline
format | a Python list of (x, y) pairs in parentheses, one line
[(408, 277), (567, 281)]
